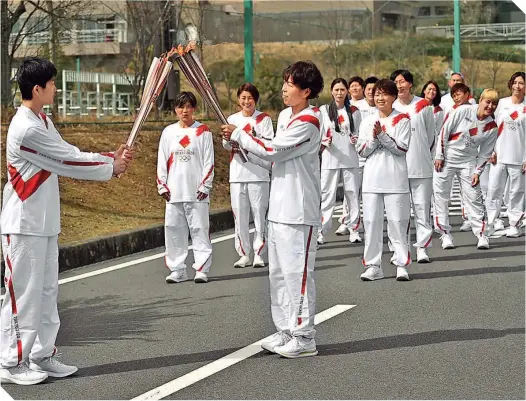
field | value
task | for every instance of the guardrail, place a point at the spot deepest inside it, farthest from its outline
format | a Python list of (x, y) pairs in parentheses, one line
[(479, 32), (117, 35)]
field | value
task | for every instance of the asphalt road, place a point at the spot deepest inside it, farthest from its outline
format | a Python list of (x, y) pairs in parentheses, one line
[(456, 331)]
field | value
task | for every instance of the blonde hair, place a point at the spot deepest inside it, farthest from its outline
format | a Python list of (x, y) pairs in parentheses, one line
[(490, 94)]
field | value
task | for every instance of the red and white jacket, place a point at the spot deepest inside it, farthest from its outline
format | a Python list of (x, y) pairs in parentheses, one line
[(465, 140), (511, 142), (36, 155), (447, 103), (419, 157), (260, 125), (185, 163), (385, 169), (439, 121)]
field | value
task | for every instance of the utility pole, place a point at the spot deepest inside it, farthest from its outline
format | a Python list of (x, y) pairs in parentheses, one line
[(456, 43), (249, 42)]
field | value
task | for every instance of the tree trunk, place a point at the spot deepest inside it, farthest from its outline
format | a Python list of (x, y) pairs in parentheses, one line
[(5, 61), (53, 52)]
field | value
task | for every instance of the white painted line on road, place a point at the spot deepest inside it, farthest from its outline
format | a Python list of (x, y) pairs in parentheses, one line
[(4, 395), (225, 362)]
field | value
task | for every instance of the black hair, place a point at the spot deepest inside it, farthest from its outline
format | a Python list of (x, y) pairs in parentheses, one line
[(460, 87), (34, 71), (306, 75), (185, 97), (370, 80), (386, 86), (514, 77), (404, 73), (438, 97), (333, 110), (248, 87), (357, 79)]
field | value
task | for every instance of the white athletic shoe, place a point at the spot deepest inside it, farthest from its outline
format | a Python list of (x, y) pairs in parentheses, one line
[(320, 239), (277, 340), (421, 255), (22, 374), (447, 241), (372, 273), (466, 226), (297, 347), (342, 230), (354, 236), (53, 367), (177, 276), (513, 232), (401, 274), (498, 225), (200, 277), (483, 242), (258, 261), (243, 261)]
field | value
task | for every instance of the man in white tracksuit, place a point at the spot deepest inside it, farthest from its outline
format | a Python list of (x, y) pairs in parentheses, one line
[(30, 223), (384, 140), (447, 102), (465, 144), (249, 183), (509, 158), (294, 210), (340, 122), (419, 158), (185, 171)]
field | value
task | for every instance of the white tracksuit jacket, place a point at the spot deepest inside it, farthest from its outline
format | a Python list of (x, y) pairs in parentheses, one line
[(511, 141), (447, 103)]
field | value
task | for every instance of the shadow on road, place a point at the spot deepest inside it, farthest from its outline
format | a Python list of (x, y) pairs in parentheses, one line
[(467, 272)]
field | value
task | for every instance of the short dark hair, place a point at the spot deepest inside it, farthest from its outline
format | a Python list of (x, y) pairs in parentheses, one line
[(34, 71), (386, 86), (185, 97), (306, 75), (405, 73), (248, 87), (438, 97), (357, 79), (514, 77), (460, 87), (370, 80)]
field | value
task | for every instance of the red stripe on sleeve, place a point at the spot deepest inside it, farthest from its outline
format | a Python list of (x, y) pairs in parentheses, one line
[(261, 117), (25, 189), (201, 129), (208, 174), (260, 143), (421, 105), (489, 126), (399, 118), (306, 119), (501, 128), (454, 136), (169, 162)]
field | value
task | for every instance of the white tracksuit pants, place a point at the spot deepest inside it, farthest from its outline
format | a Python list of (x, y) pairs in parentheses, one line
[(345, 212), (498, 175), (442, 183), (181, 219), (246, 196), (421, 191), (352, 181), (396, 207), (484, 180), (29, 314), (292, 254)]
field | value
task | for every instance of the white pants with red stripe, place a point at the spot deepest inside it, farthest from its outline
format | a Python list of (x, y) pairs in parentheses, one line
[(498, 176), (244, 197), (398, 213), (352, 182), (345, 211), (291, 258), (472, 196), (484, 181), (181, 219), (29, 315), (421, 192)]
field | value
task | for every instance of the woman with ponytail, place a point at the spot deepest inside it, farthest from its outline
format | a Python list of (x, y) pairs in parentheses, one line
[(339, 159)]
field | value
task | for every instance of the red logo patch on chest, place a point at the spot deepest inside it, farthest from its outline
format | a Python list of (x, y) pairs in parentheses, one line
[(341, 119), (473, 131), (185, 141)]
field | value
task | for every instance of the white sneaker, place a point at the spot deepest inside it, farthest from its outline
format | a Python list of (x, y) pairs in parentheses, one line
[(354, 236), (243, 261), (483, 242), (177, 276), (297, 347), (372, 273), (22, 374), (421, 255), (447, 241), (53, 367), (401, 274), (258, 261), (320, 240), (200, 277), (277, 340), (342, 230), (466, 226), (498, 225), (513, 232)]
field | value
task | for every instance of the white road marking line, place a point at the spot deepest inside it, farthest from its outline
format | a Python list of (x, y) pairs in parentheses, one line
[(131, 263), (225, 362), (4, 395)]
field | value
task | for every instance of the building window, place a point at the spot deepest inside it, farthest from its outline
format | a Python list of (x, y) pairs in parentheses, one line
[(443, 10), (424, 11)]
